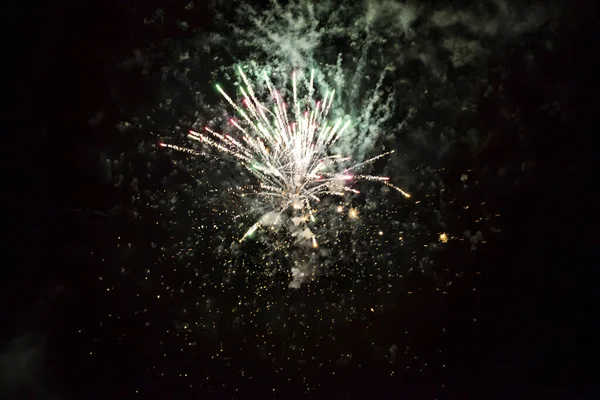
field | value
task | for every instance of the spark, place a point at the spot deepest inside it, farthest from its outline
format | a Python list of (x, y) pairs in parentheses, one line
[(443, 238), (288, 149)]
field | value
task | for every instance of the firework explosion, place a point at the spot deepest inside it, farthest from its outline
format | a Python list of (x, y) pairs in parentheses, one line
[(291, 160), (281, 166), (285, 171)]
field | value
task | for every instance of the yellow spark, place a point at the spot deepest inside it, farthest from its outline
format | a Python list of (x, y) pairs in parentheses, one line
[(443, 237)]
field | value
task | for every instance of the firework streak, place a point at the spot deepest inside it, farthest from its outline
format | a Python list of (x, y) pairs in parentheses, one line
[(287, 149)]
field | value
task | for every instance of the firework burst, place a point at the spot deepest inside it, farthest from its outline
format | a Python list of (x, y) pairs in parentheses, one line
[(288, 150)]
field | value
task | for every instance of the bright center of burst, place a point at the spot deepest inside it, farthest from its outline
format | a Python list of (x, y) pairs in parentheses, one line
[(297, 204)]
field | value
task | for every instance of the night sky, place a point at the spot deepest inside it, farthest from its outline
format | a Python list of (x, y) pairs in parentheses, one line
[(119, 279)]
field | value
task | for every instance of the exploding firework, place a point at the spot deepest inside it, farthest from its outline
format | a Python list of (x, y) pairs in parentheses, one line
[(288, 150)]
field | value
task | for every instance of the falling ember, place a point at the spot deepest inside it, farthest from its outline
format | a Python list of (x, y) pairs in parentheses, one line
[(250, 231), (443, 238), (284, 148)]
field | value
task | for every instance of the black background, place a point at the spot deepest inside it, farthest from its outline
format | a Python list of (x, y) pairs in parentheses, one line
[(535, 331)]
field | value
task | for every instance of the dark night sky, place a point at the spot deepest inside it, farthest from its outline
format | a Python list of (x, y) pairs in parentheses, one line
[(534, 334)]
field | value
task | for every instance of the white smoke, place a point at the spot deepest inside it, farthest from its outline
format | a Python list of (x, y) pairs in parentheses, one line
[(388, 62), (21, 368)]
